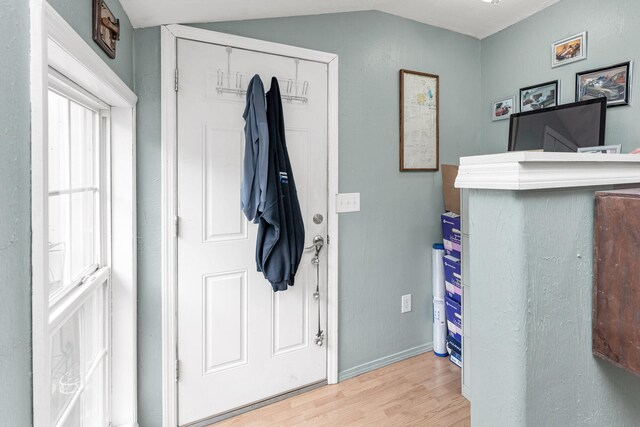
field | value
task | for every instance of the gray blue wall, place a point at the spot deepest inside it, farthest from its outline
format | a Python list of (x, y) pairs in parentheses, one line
[(385, 249), (520, 56), (550, 355), (15, 223), (147, 87), (532, 271), (78, 14), (15, 191)]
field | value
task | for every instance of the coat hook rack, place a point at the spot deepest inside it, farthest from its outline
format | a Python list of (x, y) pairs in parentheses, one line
[(295, 91)]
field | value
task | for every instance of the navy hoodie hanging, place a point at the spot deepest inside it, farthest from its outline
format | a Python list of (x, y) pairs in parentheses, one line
[(281, 230)]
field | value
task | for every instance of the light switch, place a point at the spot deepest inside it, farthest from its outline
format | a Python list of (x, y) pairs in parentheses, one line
[(347, 202)]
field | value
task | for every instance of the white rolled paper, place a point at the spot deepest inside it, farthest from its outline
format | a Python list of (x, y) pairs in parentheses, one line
[(439, 318), (438, 271), (439, 328)]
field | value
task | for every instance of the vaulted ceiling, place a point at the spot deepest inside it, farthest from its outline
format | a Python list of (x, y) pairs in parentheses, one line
[(477, 18)]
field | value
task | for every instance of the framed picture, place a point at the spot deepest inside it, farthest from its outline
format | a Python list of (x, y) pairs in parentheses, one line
[(613, 82), (106, 28), (419, 116), (539, 96), (568, 50), (503, 108)]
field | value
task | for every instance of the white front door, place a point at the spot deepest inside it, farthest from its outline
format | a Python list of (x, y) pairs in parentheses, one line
[(238, 341)]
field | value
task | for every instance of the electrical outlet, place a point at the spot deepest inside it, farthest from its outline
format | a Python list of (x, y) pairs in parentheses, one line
[(406, 303)]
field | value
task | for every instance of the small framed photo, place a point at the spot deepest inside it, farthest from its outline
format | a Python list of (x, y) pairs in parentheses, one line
[(568, 50), (540, 96), (613, 82), (503, 108)]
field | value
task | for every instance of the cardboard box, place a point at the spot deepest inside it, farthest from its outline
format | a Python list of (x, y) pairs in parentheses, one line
[(451, 234), (456, 359), (453, 278), (449, 191), (453, 345), (454, 318)]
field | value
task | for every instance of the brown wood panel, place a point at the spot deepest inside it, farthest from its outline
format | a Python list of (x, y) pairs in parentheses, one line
[(616, 290), (421, 391)]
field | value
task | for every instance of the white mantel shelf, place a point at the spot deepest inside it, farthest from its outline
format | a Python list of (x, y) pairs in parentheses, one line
[(524, 170)]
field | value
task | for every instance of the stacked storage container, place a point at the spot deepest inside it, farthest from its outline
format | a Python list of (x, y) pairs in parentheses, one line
[(451, 236)]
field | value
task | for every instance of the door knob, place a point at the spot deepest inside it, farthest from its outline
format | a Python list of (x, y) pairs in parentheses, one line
[(318, 243)]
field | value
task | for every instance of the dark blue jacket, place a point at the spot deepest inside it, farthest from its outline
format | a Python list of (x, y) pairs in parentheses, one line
[(256, 152), (281, 229)]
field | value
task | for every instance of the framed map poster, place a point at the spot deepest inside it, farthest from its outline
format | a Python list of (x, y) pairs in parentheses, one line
[(419, 106)]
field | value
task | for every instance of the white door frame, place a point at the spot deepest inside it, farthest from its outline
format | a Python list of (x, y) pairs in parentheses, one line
[(54, 43), (169, 36)]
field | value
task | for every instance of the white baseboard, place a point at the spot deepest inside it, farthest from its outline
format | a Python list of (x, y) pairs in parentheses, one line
[(466, 392), (384, 361)]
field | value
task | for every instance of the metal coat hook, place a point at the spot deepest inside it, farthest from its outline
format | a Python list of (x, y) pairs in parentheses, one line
[(292, 93), (239, 83), (297, 61), (229, 50)]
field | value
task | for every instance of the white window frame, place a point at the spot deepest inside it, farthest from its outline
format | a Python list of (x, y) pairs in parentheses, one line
[(63, 86), (65, 304), (54, 44)]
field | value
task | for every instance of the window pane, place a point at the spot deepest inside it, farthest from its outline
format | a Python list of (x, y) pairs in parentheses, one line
[(78, 356), (82, 232), (75, 417), (65, 366), (93, 328), (94, 398), (73, 193), (58, 242), (82, 141), (58, 142)]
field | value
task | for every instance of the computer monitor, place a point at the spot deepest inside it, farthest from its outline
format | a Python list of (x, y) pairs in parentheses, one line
[(564, 128)]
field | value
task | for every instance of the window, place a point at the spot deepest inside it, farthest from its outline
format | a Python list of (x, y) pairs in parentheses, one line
[(73, 193), (79, 288), (84, 306)]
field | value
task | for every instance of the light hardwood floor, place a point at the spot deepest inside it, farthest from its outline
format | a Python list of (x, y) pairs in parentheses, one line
[(420, 391)]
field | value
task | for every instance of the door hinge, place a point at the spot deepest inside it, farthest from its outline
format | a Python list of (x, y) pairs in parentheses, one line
[(177, 370), (176, 80), (176, 226)]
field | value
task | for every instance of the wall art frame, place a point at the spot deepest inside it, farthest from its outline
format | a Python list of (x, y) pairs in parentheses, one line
[(419, 121)]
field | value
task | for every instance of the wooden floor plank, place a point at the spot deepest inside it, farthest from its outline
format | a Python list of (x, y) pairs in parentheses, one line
[(421, 391)]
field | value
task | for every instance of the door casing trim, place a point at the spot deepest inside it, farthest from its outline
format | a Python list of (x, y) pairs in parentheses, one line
[(169, 34)]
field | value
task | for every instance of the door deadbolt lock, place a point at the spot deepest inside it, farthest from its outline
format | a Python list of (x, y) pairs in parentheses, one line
[(318, 218)]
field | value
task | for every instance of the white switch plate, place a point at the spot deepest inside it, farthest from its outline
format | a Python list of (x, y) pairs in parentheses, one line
[(406, 303), (347, 202)]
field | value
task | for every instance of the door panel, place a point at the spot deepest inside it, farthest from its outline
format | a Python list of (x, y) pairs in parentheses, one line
[(289, 332), (238, 341), (225, 321), (222, 164)]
